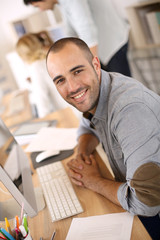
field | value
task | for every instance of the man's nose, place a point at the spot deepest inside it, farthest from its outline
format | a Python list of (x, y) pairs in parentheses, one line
[(72, 84)]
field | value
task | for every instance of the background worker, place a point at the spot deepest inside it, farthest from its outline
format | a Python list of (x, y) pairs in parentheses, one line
[(32, 48), (99, 24)]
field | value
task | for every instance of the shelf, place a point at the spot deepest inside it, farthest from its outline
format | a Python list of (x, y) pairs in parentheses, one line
[(140, 32)]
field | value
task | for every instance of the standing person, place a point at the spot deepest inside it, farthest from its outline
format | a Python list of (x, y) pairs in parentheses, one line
[(32, 48), (99, 24), (124, 116)]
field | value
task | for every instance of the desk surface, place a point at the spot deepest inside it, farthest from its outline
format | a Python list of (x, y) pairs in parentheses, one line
[(92, 203)]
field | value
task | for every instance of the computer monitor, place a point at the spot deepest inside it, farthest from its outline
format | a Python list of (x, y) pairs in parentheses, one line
[(15, 176)]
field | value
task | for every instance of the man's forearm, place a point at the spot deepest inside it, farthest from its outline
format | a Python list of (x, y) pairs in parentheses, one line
[(89, 176), (87, 144), (108, 189)]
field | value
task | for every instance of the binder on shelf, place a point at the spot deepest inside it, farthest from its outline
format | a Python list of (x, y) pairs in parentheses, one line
[(141, 31), (153, 19), (142, 12)]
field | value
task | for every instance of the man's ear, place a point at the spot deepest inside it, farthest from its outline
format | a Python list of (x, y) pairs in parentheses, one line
[(97, 66)]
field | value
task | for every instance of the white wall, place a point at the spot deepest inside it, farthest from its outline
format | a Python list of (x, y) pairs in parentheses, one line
[(12, 11), (9, 11)]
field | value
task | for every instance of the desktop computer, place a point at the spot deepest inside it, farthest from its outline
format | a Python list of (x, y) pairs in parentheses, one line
[(16, 177)]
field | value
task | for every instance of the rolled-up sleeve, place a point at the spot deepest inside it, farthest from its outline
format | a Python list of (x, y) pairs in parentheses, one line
[(141, 196), (138, 132)]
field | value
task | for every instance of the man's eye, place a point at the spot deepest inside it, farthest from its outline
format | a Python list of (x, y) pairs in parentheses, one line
[(77, 71), (59, 81)]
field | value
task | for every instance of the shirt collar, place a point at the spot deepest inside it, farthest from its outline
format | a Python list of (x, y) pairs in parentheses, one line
[(102, 109)]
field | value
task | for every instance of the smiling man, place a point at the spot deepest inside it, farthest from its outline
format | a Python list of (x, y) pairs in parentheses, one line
[(120, 113)]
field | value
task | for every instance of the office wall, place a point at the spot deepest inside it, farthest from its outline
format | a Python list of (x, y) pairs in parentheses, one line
[(11, 10)]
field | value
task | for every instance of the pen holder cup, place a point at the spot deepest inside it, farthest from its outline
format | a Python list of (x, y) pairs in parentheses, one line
[(28, 236)]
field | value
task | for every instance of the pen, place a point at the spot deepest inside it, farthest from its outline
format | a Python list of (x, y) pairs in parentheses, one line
[(8, 228), (17, 232), (23, 231), (25, 223), (7, 234), (21, 218), (53, 235), (2, 236), (17, 222)]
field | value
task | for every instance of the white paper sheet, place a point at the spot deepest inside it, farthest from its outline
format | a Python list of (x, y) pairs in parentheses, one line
[(115, 226), (53, 139), (23, 140)]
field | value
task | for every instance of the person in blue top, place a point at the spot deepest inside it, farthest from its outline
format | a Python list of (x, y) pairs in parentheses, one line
[(99, 24), (122, 114)]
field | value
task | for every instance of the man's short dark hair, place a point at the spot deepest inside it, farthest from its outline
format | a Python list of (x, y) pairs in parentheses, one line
[(27, 2), (58, 45)]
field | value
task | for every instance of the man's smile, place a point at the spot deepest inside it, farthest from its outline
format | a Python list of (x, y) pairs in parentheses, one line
[(80, 96)]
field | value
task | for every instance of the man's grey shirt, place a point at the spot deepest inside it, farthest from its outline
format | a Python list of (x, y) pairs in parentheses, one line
[(127, 123)]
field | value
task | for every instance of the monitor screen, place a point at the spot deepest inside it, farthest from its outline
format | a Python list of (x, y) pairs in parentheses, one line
[(15, 176)]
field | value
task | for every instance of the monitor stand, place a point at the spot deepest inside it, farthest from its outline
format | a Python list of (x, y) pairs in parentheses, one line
[(10, 208)]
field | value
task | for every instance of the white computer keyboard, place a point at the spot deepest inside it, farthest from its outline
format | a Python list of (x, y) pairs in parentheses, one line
[(58, 191)]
